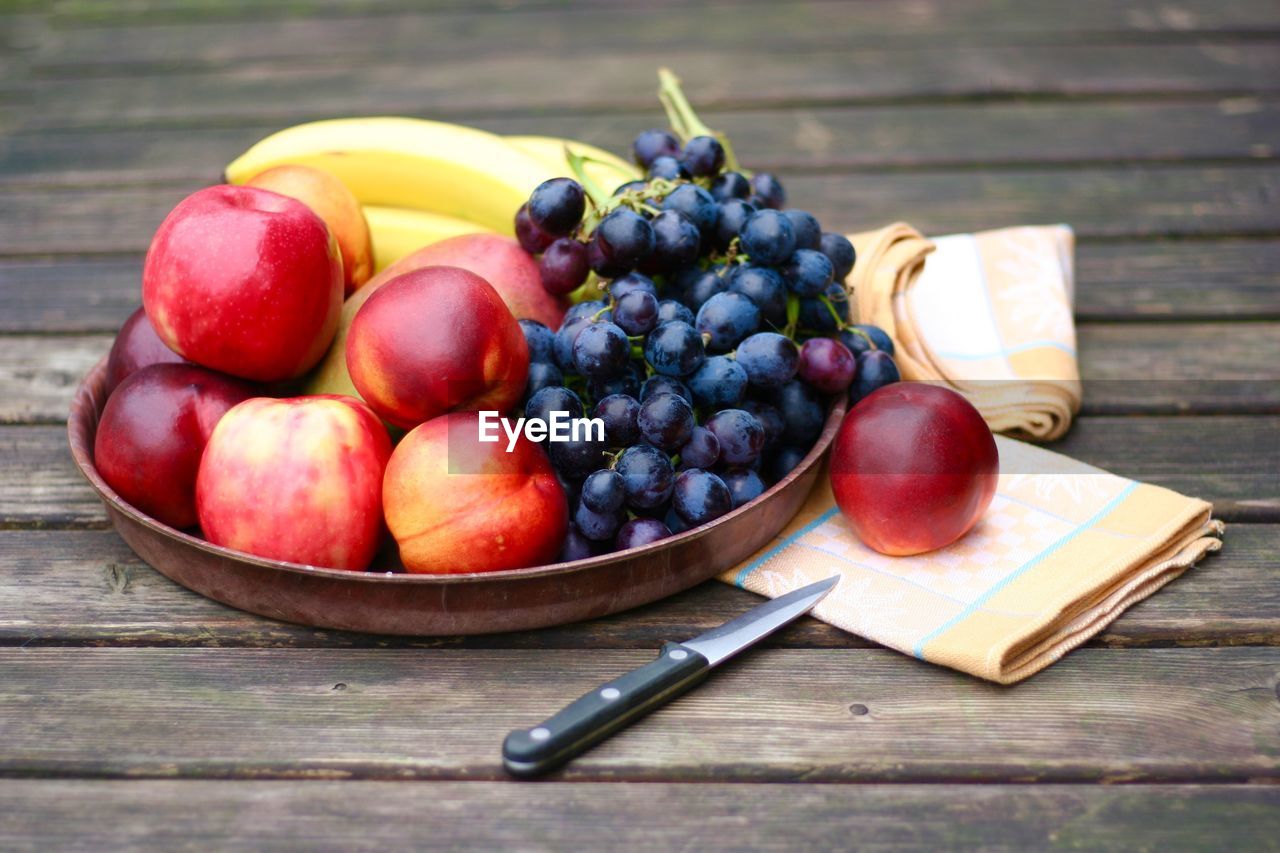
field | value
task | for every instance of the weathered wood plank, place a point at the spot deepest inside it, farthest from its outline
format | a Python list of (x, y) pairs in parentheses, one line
[(584, 80), (780, 715), (794, 138), (70, 587), (144, 815), (1120, 281), (155, 45), (1105, 202), (1217, 368), (1226, 459)]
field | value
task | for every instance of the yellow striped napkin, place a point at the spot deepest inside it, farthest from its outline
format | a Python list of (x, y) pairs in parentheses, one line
[(1065, 547), (988, 314)]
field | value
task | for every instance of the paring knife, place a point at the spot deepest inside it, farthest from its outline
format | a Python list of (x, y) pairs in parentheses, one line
[(605, 710)]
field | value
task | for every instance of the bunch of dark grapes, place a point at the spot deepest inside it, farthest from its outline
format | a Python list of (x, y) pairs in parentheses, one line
[(719, 339)]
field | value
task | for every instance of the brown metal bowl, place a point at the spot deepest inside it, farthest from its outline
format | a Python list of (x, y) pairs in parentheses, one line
[(473, 603)]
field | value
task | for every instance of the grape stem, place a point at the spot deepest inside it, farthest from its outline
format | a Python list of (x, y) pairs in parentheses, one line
[(685, 122), (577, 163)]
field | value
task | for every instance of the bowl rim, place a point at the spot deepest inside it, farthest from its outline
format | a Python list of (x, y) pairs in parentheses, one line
[(86, 409)]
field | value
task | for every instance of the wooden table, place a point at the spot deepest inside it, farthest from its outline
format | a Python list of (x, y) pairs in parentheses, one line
[(134, 712)]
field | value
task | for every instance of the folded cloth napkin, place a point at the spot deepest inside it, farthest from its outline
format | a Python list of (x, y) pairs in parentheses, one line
[(988, 314), (1062, 551)]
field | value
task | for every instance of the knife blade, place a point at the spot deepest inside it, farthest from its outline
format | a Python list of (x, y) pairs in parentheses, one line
[(611, 706)]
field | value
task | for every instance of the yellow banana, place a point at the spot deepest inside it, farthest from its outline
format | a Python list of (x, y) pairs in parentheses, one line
[(411, 163), (606, 169), (398, 231)]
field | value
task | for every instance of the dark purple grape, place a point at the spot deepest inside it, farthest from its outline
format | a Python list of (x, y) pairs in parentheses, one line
[(728, 318), (783, 462), (553, 399), (770, 359), (697, 205), (825, 317), (802, 412), (603, 491), (640, 531), (578, 547), (741, 436), (542, 374), (674, 349), (649, 145), (598, 526), (744, 485), (700, 496), (769, 417), (619, 411), (734, 213), (578, 457), (730, 185), (701, 287), (587, 311), (564, 266), (620, 287), (767, 237), (628, 382), (879, 337), (532, 238), (670, 310), (702, 450), (557, 205), (540, 339), (856, 342), (636, 313), (807, 272), (620, 242), (601, 351), (827, 365), (676, 242), (876, 369), (674, 522), (665, 421), (805, 225), (719, 383), (769, 190), (840, 252), (703, 156), (647, 475), (660, 384), (669, 169), (764, 287)]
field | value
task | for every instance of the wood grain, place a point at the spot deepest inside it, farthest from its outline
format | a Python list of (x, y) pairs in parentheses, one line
[(1224, 459), (588, 81), (70, 587), (536, 30), (1133, 368), (1116, 282), (787, 140), (1108, 202), (161, 815), (862, 715)]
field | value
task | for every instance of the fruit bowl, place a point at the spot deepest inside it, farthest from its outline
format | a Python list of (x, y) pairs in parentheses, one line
[(389, 602)]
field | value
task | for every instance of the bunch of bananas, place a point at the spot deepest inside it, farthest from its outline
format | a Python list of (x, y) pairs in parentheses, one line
[(424, 181)]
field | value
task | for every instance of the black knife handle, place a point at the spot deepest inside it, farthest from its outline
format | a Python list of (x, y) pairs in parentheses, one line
[(600, 713)]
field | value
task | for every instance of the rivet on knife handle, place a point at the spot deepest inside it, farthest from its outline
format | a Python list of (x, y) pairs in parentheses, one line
[(598, 714)]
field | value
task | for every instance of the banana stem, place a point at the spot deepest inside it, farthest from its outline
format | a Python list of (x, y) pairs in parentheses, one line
[(685, 122)]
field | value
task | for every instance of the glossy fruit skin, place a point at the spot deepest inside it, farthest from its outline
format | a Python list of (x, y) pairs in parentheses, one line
[(649, 145), (633, 281), (840, 252), (137, 346), (670, 309), (765, 287), (619, 413), (153, 431), (676, 243), (702, 287), (261, 301), (542, 375), (913, 468), (744, 485), (604, 491), (674, 349), (601, 350), (660, 384), (702, 450), (648, 476), (827, 365), (808, 272), (769, 359), (436, 340), (696, 204), (556, 206), (504, 510), (668, 168), (730, 185), (719, 383), (532, 238), (636, 312), (876, 369), (297, 479), (564, 267), (703, 156), (807, 230), (665, 421), (640, 531), (336, 206), (619, 243), (700, 496), (769, 190), (734, 213), (727, 318), (741, 436), (803, 413), (578, 547), (597, 526), (553, 399), (539, 339)]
